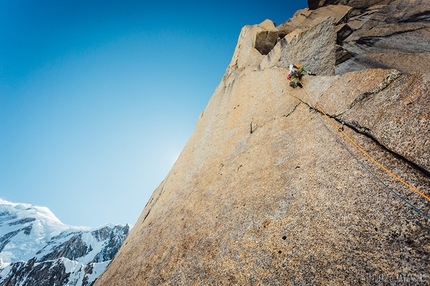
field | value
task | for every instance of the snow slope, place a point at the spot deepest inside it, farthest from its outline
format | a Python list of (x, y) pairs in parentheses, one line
[(24, 229), (36, 246)]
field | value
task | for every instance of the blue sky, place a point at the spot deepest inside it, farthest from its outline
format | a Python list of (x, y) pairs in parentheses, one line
[(98, 98)]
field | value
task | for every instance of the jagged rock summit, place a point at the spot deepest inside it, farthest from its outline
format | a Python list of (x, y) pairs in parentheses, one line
[(376, 33), (271, 190), (36, 248)]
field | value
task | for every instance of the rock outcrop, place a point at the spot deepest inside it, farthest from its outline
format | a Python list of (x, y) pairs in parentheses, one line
[(266, 39), (376, 33), (268, 191), (360, 4)]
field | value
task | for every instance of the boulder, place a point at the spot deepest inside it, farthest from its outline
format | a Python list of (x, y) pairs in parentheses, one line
[(265, 40), (315, 4)]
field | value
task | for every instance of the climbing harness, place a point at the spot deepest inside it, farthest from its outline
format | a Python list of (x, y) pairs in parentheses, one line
[(341, 129)]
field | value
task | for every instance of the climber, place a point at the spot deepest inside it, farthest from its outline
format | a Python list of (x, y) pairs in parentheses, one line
[(295, 74)]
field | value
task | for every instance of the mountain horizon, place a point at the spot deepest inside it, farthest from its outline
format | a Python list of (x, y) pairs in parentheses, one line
[(36, 248)]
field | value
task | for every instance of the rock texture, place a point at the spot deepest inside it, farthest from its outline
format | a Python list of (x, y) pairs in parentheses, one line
[(268, 192), (266, 39), (377, 33), (360, 4)]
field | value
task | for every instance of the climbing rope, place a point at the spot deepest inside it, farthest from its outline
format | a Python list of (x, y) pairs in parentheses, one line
[(318, 108)]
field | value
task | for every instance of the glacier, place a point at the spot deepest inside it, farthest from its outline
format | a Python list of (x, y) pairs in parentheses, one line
[(36, 248)]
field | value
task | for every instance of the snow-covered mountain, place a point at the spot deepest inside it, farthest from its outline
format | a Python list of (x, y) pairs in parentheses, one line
[(36, 248)]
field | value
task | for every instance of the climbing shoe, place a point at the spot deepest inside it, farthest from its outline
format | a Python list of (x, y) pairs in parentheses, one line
[(300, 85)]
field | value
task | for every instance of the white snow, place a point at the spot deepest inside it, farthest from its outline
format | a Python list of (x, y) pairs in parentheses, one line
[(45, 225), (76, 275), (30, 231), (5, 269)]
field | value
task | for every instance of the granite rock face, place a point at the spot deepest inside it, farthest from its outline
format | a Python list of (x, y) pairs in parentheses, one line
[(377, 34), (362, 4), (268, 191)]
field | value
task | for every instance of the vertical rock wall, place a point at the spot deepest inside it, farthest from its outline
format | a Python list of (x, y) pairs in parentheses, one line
[(268, 192)]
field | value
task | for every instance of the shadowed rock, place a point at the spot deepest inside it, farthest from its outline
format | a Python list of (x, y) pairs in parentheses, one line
[(266, 40), (375, 35)]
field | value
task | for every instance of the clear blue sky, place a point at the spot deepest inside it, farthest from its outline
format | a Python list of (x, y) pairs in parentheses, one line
[(98, 98)]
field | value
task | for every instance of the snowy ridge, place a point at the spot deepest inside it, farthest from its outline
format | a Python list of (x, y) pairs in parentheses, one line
[(24, 229), (36, 246)]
